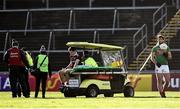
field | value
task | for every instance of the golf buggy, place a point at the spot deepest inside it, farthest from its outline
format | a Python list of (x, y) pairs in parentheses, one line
[(108, 79)]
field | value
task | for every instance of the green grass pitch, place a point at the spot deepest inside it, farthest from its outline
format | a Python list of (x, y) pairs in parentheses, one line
[(56, 100)]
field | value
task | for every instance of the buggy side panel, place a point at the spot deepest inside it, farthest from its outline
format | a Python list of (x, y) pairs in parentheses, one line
[(102, 85)]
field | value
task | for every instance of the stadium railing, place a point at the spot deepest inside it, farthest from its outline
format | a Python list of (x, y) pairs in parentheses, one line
[(115, 10), (159, 16), (51, 35), (143, 30), (6, 4), (139, 65), (79, 9)]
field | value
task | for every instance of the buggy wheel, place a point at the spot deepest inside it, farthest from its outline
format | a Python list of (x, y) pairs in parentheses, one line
[(128, 91), (92, 91), (108, 94)]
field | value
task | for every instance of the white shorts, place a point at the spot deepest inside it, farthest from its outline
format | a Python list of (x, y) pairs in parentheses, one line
[(162, 69)]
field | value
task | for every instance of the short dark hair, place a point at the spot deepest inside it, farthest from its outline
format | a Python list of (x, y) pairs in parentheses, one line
[(43, 48), (160, 36), (15, 43), (86, 54), (13, 40), (71, 49)]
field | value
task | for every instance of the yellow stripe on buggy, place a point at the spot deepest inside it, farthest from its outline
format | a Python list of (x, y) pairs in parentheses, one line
[(97, 46)]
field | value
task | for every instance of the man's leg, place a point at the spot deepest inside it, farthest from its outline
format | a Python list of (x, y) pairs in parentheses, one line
[(38, 79), (61, 75), (159, 78), (44, 78), (22, 82), (166, 75), (166, 82), (26, 73), (13, 81), (19, 89)]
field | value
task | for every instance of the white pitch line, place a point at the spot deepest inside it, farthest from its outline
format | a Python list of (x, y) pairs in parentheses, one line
[(94, 108)]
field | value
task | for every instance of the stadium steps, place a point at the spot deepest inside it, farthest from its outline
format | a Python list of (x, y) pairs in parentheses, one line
[(169, 32), (119, 38), (21, 4), (83, 19), (50, 19), (42, 20), (3, 66), (84, 3), (32, 40), (2, 40), (89, 19), (12, 20), (58, 19)]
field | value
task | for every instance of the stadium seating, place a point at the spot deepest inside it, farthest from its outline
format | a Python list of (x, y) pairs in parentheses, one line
[(82, 19), (26, 4), (2, 41), (12, 20)]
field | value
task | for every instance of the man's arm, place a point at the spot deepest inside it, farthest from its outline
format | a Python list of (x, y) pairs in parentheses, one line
[(152, 57), (49, 69), (69, 65), (169, 55), (24, 59), (154, 61), (76, 63), (35, 62)]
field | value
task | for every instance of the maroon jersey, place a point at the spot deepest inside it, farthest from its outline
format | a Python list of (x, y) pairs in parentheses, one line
[(14, 57), (73, 59)]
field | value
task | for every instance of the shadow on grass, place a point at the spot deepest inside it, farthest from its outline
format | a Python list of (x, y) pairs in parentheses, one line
[(80, 97), (149, 97), (49, 98)]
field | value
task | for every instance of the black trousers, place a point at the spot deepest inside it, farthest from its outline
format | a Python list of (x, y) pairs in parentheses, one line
[(16, 75), (26, 74), (41, 77)]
